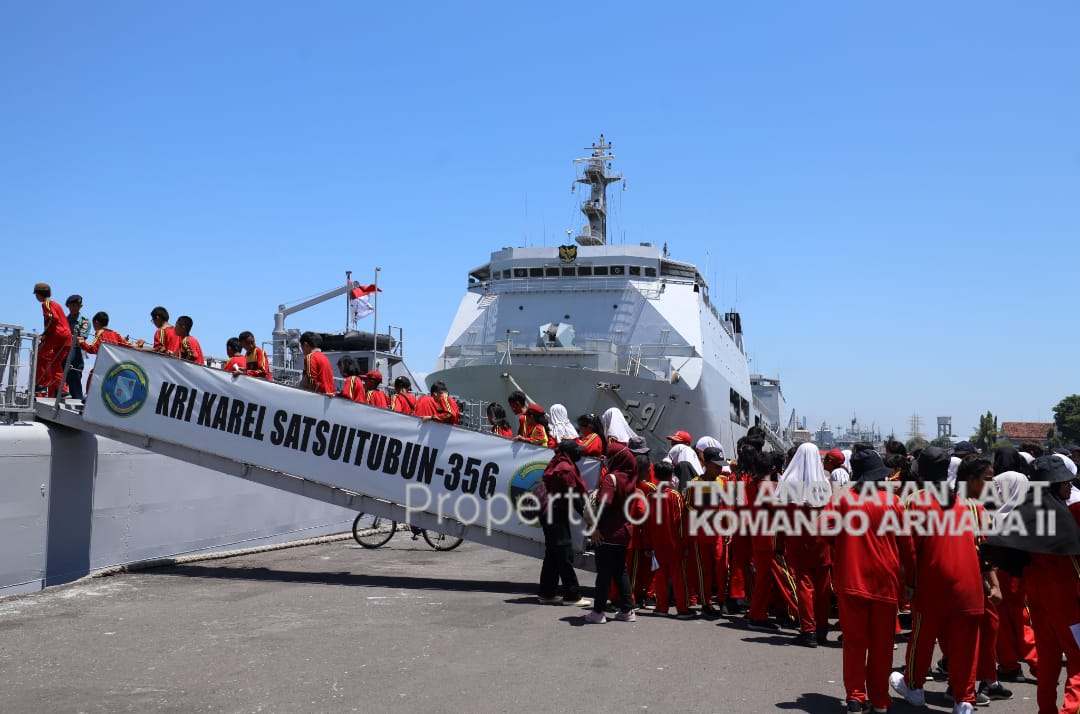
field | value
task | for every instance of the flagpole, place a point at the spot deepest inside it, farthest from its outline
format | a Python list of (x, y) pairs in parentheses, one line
[(375, 322), (348, 297)]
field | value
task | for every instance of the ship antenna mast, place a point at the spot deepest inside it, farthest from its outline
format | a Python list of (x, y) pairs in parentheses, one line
[(597, 177)]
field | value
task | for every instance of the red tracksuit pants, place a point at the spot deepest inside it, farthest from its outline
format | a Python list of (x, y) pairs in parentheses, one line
[(986, 664), (52, 352), (959, 640), (639, 568), (1051, 618), (738, 565), (814, 597), (868, 648), (702, 568), (672, 570), (770, 579), (1016, 640)]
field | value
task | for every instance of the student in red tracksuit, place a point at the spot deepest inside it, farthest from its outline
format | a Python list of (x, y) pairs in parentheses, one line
[(376, 397), (706, 548), (353, 386), (536, 427), (948, 592), (1052, 583), (518, 401), (402, 400), (189, 349), (805, 487), (666, 534), (769, 574), (55, 342), (102, 336), (236, 363), (258, 365), (866, 571), (974, 472), (318, 375), (166, 341), (1016, 640), (639, 557), (437, 406), (591, 437)]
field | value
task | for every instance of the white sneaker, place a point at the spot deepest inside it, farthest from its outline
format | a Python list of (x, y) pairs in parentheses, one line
[(580, 602), (963, 708), (914, 697), (595, 618)]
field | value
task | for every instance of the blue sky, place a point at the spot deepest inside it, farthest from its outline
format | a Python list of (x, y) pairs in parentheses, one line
[(887, 192)]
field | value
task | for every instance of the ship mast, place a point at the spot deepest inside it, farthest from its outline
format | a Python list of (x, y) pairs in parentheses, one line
[(597, 177)]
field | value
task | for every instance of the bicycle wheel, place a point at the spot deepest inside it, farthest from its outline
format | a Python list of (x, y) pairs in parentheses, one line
[(441, 541), (374, 533)]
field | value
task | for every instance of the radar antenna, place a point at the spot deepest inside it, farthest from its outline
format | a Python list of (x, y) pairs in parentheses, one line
[(597, 177)]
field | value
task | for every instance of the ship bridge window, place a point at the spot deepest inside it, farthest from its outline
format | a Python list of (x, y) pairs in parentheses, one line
[(521, 273), (617, 270), (650, 272), (584, 270), (536, 272), (635, 270), (568, 272), (551, 272), (600, 270)]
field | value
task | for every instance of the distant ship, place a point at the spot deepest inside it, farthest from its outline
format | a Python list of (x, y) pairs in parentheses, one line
[(592, 325)]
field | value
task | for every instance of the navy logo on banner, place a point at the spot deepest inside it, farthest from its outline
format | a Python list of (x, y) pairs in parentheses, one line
[(526, 479), (125, 388), (568, 253)]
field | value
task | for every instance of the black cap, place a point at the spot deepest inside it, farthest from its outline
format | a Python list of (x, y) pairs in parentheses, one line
[(866, 465), (637, 445), (933, 464), (1050, 469), (77, 299), (713, 455), (963, 448)]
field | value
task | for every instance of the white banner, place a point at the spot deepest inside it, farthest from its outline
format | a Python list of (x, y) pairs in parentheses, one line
[(467, 476)]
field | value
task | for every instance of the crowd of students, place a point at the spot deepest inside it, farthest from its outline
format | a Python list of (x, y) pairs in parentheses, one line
[(990, 603)]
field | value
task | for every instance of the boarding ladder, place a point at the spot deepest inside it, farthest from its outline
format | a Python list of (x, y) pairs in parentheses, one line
[(332, 450)]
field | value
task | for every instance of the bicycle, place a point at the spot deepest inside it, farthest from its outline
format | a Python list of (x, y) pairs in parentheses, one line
[(379, 532)]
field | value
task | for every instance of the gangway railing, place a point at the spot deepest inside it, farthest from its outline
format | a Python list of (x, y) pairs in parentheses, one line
[(18, 358), (430, 475)]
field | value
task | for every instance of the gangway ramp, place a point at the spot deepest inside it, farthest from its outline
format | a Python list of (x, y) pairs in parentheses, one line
[(431, 475)]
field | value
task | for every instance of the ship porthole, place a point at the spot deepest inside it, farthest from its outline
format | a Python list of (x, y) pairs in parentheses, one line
[(566, 317), (614, 307), (521, 307)]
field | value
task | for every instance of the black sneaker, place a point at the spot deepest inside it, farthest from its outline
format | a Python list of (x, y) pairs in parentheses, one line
[(943, 666), (854, 706), (734, 607), (762, 625), (822, 637), (806, 639), (994, 691), (1012, 676)]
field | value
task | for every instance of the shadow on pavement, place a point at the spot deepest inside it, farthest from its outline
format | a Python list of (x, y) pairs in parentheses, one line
[(813, 703), (347, 578)]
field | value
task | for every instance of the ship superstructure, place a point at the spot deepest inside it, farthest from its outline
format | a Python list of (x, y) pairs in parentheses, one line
[(594, 325)]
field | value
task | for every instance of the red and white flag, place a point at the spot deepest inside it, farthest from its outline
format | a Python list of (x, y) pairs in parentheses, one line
[(358, 301)]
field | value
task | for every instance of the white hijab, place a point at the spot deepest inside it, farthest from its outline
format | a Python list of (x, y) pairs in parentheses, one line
[(681, 453), (1074, 492), (847, 459), (804, 480), (954, 468), (1011, 487), (706, 442), (559, 423), (615, 426)]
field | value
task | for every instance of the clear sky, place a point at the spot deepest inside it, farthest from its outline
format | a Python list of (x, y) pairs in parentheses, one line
[(888, 192)]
